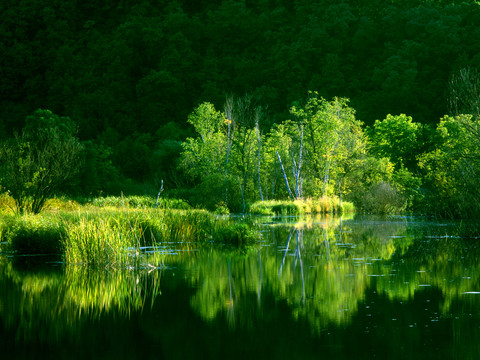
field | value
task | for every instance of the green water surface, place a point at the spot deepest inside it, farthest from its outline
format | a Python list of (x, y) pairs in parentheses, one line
[(313, 288)]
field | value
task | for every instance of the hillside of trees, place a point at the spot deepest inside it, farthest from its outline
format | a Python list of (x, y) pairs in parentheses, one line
[(135, 76)]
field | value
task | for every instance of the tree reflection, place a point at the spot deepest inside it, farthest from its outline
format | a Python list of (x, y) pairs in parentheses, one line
[(323, 271)]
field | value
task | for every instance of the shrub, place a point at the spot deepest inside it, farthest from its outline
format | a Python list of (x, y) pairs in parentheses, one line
[(32, 234), (6, 202), (382, 198)]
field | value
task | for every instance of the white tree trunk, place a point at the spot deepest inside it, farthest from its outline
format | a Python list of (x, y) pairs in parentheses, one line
[(285, 176)]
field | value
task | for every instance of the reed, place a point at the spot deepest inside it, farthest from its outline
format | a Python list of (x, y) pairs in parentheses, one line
[(110, 236), (139, 202), (97, 242), (323, 205)]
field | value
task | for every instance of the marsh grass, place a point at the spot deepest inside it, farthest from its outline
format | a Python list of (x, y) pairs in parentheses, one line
[(103, 241), (116, 236), (324, 205), (348, 207), (139, 202)]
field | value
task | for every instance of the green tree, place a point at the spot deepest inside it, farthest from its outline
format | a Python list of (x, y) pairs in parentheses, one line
[(98, 174), (204, 158), (37, 163), (396, 137), (452, 169), (281, 148), (333, 137)]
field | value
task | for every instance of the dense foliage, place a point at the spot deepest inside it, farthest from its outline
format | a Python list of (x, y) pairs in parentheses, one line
[(128, 74), (35, 164)]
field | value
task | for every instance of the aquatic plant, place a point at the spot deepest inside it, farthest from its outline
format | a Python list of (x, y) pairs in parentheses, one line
[(323, 205), (141, 202), (98, 242), (112, 236)]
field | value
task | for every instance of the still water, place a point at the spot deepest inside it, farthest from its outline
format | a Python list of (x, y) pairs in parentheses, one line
[(316, 288)]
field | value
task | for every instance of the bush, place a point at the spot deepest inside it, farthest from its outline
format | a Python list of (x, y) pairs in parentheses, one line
[(32, 234), (6, 202), (382, 198)]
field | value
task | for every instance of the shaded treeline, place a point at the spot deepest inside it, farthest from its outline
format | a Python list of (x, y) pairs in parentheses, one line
[(134, 66)]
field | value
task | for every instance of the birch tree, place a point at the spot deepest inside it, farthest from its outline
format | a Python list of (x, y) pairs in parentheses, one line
[(330, 132)]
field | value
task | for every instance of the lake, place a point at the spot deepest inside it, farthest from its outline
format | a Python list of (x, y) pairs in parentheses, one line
[(311, 288)]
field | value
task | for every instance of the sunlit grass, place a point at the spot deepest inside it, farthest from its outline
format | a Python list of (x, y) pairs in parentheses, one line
[(139, 202), (114, 235), (324, 205)]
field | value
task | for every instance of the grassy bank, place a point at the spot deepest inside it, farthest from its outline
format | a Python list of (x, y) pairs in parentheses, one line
[(322, 205), (112, 232)]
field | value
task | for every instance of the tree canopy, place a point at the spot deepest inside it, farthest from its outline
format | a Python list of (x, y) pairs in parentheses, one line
[(135, 66)]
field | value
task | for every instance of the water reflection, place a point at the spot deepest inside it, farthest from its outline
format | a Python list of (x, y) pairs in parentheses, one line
[(320, 268), (405, 283)]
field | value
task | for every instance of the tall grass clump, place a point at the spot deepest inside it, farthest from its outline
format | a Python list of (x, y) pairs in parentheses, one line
[(7, 204), (262, 207), (124, 201), (347, 207), (99, 241), (323, 205), (114, 237), (201, 225), (61, 204), (111, 236), (139, 202)]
